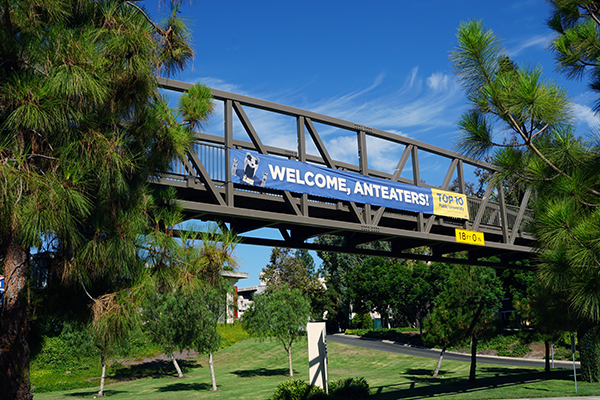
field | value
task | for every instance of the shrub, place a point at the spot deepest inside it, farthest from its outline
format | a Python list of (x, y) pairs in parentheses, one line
[(231, 334), (296, 389), (349, 388)]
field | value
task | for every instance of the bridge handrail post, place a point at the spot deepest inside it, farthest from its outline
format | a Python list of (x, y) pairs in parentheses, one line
[(417, 182), (228, 128), (503, 215)]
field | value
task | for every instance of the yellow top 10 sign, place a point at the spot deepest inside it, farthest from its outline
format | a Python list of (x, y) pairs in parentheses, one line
[(450, 204)]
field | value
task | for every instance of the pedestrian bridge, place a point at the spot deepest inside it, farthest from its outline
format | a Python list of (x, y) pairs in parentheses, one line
[(217, 181)]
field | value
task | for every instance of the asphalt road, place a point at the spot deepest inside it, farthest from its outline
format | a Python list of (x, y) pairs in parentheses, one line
[(394, 347)]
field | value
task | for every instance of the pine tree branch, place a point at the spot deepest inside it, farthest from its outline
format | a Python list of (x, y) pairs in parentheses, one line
[(540, 155), (158, 28), (84, 288), (540, 131), (591, 14)]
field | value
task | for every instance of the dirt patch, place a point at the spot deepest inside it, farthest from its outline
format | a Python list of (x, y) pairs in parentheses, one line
[(537, 351), (186, 355)]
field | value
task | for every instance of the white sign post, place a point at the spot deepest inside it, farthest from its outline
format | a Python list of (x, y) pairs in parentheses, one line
[(317, 354)]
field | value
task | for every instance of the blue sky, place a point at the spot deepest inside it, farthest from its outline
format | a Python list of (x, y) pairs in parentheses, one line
[(382, 64)]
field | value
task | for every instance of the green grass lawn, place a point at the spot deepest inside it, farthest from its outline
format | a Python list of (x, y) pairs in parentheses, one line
[(251, 370)]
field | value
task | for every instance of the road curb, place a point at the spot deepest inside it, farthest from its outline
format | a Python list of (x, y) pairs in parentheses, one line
[(562, 363)]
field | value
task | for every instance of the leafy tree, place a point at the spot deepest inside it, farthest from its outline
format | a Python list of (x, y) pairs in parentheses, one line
[(545, 154), (185, 319), (113, 322), (372, 286), (296, 270), (444, 329), (281, 314), (465, 309), (334, 268), (185, 294), (417, 286), (215, 254), (548, 312), (287, 269), (83, 126)]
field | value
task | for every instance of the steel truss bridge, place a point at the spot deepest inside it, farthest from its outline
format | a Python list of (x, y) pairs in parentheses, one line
[(205, 190)]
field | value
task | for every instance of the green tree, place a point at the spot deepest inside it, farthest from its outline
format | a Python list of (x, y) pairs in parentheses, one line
[(185, 319), (372, 286), (113, 321), (445, 328), (335, 267), (296, 270), (281, 314), (464, 310), (417, 286), (184, 292), (216, 254), (544, 154), (82, 128), (577, 45), (548, 312)]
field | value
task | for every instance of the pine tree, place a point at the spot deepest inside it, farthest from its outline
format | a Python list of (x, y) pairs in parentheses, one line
[(543, 154), (82, 127)]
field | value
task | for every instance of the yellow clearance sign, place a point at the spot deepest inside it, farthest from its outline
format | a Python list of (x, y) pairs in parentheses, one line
[(470, 237), (450, 204)]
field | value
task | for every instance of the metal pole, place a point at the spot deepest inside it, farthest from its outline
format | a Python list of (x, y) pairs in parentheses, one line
[(573, 351)]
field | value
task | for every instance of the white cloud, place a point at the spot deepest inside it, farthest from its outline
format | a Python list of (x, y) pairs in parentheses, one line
[(438, 81), (585, 115), (540, 41), (409, 106), (413, 81), (219, 84), (344, 148)]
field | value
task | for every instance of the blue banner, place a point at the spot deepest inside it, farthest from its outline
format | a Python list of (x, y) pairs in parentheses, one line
[(261, 170)]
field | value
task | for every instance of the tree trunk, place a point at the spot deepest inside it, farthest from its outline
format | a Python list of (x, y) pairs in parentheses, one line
[(179, 374), (101, 391), (439, 363), (547, 363), (473, 359), (211, 365), (15, 326), (289, 351)]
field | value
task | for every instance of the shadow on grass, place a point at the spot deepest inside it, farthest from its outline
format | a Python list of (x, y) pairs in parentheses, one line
[(249, 373), (180, 387), (420, 386), (92, 393), (153, 369)]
